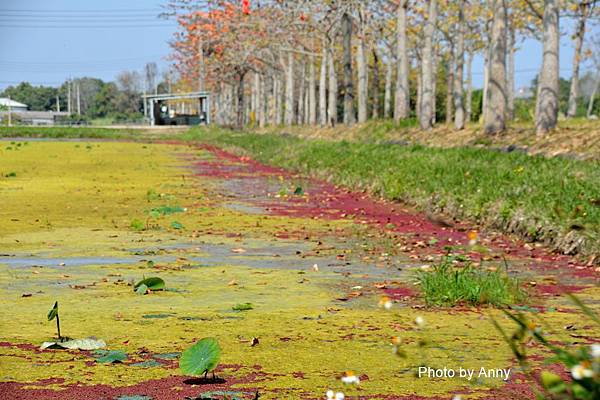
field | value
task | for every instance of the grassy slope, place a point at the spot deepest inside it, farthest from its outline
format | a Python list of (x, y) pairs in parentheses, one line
[(553, 200), (578, 138)]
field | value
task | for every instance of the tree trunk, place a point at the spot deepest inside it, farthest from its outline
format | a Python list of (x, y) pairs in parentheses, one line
[(419, 105), (278, 101), (387, 99), (201, 65), (240, 100), (289, 90), (272, 101), (427, 97), (301, 94), (256, 100), (363, 83), (332, 113), (323, 87), (434, 82), (375, 89), (592, 97), (349, 117), (486, 68), (495, 107), (459, 108), (264, 99), (579, 36), (510, 80), (450, 86), (402, 106), (306, 117), (469, 113), (546, 115), (312, 92)]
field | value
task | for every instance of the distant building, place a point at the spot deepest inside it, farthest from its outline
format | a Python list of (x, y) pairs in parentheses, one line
[(21, 116), (524, 93), (178, 109), (13, 105)]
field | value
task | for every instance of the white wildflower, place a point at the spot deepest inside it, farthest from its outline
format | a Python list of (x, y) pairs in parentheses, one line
[(595, 350), (350, 378), (581, 372)]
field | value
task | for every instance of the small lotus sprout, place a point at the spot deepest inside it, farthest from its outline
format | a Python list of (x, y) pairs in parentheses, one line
[(53, 313)]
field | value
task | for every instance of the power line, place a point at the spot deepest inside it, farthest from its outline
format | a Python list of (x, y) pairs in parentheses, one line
[(83, 26), (90, 18), (33, 83), (114, 10), (80, 62)]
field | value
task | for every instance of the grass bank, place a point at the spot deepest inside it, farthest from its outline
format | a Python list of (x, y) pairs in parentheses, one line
[(60, 132), (574, 138), (550, 200)]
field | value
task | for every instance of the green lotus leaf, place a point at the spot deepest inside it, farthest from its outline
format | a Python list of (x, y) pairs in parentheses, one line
[(201, 358)]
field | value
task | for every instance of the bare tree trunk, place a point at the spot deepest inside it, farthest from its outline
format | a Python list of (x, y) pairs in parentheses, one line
[(201, 65), (312, 92), (375, 90), (289, 90), (301, 94), (363, 83), (450, 86), (306, 103), (240, 100), (579, 35), (510, 80), (434, 82), (256, 103), (546, 115), (402, 106), (459, 108), (427, 98), (387, 99), (486, 67), (349, 117), (323, 87), (592, 97), (495, 109), (419, 105), (278, 101), (263, 109), (271, 102), (469, 113), (332, 114)]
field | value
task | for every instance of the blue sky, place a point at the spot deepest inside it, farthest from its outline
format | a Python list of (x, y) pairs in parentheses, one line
[(98, 44), (37, 49)]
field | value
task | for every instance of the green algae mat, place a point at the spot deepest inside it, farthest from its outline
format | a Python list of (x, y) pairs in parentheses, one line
[(307, 287)]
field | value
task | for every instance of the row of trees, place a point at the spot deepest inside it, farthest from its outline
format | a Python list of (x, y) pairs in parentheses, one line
[(330, 61), (90, 98)]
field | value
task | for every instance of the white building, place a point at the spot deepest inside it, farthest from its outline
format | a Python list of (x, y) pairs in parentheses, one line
[(13, 105)]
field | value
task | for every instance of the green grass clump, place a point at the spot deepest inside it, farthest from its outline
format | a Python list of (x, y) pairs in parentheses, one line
[(447, 285)]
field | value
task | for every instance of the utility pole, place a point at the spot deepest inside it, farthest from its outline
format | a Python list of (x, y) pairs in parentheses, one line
[(78, 101), (69, 96), (144, 100), (9, 112), (57, 103)]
